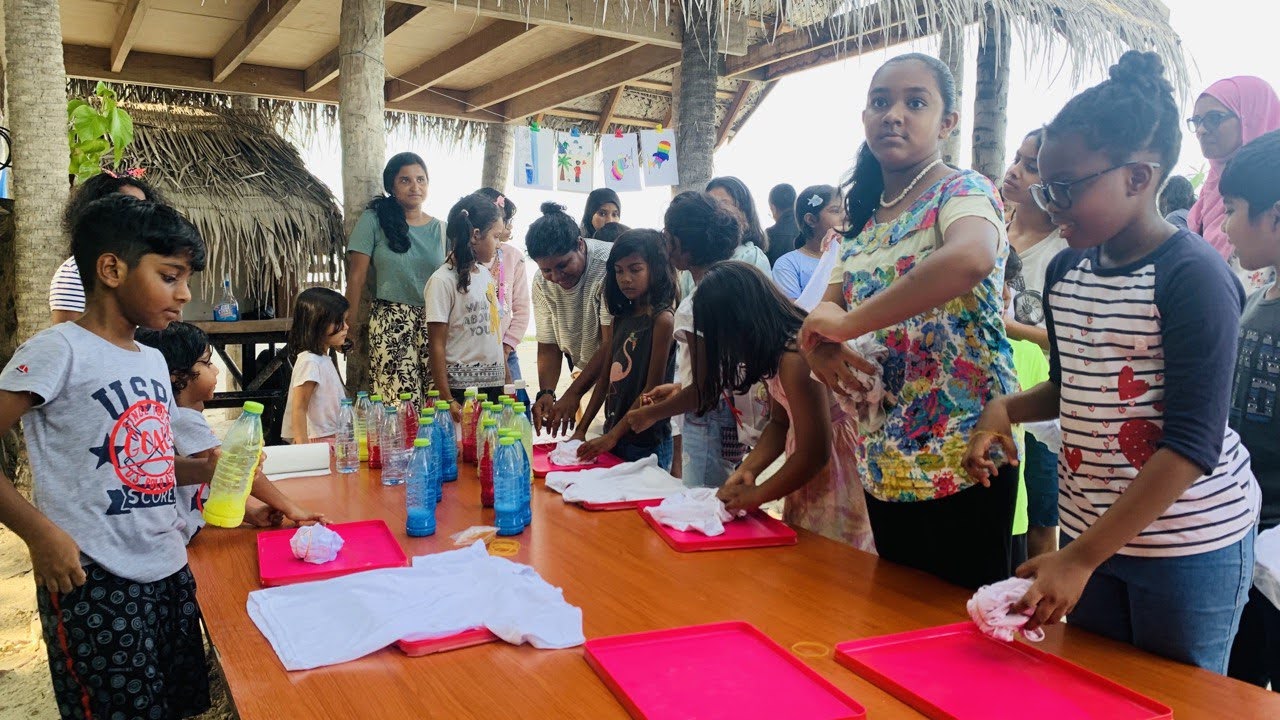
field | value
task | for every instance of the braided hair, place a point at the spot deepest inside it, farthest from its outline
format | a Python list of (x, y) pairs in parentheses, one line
[(1131, 112), (866, 183), (473, 212), (395, 227)]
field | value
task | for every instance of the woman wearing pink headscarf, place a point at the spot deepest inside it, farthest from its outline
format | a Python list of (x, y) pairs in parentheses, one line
[(1229, 114)]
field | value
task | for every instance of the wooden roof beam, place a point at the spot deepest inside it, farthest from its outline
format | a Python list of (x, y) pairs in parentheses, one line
[(325, 69), (851, 29), (831, 53), (265, 18), (558, 67), (494, 38), (667, 87), (645, 60), (617, 120), (593, 17), (726, 125), (611, 107), (185, 73), (127, 32)]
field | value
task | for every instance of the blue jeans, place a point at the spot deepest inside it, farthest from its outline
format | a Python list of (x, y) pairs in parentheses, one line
[(711, 449), (631, 452), (1040, 470), (513, 364), (1184, 608)]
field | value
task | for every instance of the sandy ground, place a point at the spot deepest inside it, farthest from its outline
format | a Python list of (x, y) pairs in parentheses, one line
[(25, 689)]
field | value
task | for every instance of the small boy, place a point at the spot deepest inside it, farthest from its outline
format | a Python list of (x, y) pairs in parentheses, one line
[(117, 601), (1250, 187)]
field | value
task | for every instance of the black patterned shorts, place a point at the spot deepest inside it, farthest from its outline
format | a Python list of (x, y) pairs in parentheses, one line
[(120, 649)]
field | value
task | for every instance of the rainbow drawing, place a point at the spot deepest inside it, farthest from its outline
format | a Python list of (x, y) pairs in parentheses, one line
[(663, 153), (618, 167)]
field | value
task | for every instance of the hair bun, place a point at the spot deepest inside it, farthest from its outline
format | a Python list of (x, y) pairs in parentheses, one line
[(1141, 69), (551, 208)]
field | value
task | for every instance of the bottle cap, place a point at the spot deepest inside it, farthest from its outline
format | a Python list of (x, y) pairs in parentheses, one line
[(427, 420), (421, 442), (521, 385), (506, 441), (488, 422), (375, 397), (429, 411), (361, 394), (391, 409), (519, 407), (471, 392), (509, 389), (442, 405), (406, 396), (507, 400), (433, 393), (252, 407), (345, 401)]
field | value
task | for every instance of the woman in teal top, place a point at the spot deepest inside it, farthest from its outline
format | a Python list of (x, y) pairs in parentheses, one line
[(405, 246)]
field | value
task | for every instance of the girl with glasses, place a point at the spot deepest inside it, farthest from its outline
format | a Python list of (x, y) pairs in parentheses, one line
[(1157, 503), (1229, 114)]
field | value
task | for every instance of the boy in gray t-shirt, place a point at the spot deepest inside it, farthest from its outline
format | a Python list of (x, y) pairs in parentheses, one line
[(117, 601)]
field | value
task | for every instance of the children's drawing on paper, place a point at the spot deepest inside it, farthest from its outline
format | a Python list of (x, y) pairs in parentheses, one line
[(621, 166), (533, 157), (658, 155), (575, 162)]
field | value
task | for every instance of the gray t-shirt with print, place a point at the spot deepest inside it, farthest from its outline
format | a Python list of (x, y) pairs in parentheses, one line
[(101, 448), (192, 435)]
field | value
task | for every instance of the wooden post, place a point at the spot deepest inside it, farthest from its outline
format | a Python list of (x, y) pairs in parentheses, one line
[(696, 107), (991, 100), (499, 143), (363, 136), (951, 52)]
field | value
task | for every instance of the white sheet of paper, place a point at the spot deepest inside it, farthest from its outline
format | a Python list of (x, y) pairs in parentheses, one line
[(534, 157), (575, 162), (281, 462), (658, 157), (621, 166)]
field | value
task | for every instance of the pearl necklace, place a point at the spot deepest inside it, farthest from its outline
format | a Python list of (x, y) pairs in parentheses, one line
[(890, 203)]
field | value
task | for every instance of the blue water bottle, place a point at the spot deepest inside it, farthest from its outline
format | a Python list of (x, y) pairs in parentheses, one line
[(448, 436), (419, 496), (428, 414), (427, 429), (506, 491)]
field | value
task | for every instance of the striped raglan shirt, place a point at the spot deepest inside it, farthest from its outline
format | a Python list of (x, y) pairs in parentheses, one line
[(1143, 356), (66, 292)]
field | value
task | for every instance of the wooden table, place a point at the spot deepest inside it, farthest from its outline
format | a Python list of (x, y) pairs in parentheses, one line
[(625, 579), (252, 380)]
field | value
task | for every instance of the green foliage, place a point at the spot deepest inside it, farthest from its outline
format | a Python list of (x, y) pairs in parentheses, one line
[(94, 129), (1197, 180)]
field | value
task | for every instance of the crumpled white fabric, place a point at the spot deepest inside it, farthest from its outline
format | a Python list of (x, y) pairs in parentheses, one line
[(866, 406), (628, 482), (566, 454), (316, 544), (1266, 564), (991, 610), (693, 509), (1048, 432), (326, 622)]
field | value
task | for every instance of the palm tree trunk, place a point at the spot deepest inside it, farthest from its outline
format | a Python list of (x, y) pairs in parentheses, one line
[(991, 104), (696, 126), (499, 143), (951, 52), (363, 136), (37, 123)]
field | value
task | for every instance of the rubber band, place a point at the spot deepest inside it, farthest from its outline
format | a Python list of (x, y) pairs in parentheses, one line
[(811, 649), (504, 548)]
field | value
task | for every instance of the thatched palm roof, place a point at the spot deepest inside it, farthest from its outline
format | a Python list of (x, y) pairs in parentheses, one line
[(267, 221)]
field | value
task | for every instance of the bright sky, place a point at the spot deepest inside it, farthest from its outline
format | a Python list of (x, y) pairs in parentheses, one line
[(808, 129)]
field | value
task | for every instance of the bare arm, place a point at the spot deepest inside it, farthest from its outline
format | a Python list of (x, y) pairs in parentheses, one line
[(357, 274), (601, 390), (1022, 331), (299, 402), (437, 340)]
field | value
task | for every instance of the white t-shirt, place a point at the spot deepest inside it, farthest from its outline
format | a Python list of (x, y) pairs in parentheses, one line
[(473, 353), (322, 413), (1028, 308), (683, 334), (192, 435)]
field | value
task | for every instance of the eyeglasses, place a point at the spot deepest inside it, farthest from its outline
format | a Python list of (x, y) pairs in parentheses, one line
[(1059, 193), (1210, 121)]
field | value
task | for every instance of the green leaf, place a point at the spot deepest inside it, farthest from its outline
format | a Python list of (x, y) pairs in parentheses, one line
[(121, 131), (104, 91), (88, 123), (74, 103)]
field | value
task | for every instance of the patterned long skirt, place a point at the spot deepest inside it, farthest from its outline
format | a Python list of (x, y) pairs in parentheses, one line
[(398, 356)]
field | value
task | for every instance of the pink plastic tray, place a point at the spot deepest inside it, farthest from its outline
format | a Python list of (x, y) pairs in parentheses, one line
[(714, 672), (464, 639), (956, 672), (753, 531), (367, 545), (543, 465)]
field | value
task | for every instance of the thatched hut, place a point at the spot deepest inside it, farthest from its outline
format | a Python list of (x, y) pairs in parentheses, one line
[(270, 224)]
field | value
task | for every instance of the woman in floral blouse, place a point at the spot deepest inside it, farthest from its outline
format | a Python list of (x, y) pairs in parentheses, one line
[(924, 274)]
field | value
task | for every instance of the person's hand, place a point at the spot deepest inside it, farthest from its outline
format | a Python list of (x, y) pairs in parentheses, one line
[(739, 492), (827, 323), (542, 410), (263, 516), (641, 419), (302, 516), (455, 409), (993, 429), (506, 351), (564, 414), (590, 450), (55, 561), (1060, 578), (662, 393), (836, 365)]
